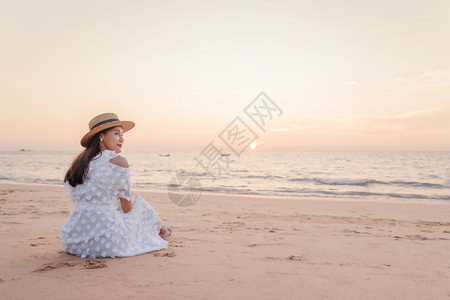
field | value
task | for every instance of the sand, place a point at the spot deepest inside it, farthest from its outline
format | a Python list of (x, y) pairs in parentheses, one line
[(235, 247)]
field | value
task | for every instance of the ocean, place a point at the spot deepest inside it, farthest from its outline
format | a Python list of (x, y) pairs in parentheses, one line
[(368, 175)]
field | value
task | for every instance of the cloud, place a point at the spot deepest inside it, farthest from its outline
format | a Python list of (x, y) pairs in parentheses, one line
[(279, 129), (428, 120), (432, 120), (303, 127), (437, 79)]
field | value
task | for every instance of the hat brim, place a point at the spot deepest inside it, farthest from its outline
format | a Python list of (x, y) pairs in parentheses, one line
[(126, 125)]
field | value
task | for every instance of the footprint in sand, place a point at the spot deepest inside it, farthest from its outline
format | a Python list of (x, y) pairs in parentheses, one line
[(258, 245), (416, 237), (289, 258), (166, 254), (53, 266), (178, 245), (38, 243), (295, 258), (94, 264)]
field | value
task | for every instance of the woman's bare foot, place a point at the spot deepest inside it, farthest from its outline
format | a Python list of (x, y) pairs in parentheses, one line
[(165, 232)]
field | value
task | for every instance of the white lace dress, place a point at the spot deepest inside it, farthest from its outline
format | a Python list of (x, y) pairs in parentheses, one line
[(98, 227)]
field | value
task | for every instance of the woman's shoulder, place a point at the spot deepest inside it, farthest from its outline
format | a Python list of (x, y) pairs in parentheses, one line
[(119, 161), (110, 158)]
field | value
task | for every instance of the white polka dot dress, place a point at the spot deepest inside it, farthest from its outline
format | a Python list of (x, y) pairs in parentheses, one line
[(98, 227)]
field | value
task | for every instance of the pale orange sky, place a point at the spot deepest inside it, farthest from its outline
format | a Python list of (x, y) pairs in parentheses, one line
[(348, 75)]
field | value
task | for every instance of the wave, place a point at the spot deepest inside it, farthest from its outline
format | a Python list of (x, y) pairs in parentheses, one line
[(358, 194), (338, 181), (289, 192), (191, 173), (366, 182), (240, 171), (359, 182), (324, 193), (307, 192), (263, 176), (419, 184), (33, 180)]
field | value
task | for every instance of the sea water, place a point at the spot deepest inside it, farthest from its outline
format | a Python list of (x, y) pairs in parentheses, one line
[(370, 175)]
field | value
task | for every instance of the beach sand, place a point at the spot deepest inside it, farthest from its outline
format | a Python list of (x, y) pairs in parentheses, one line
[(235, 247)]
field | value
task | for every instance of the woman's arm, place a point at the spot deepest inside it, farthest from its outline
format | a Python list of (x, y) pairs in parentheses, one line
[(128, 205)]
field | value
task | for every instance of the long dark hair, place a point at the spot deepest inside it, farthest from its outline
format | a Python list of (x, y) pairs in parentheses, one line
[(78, 170)]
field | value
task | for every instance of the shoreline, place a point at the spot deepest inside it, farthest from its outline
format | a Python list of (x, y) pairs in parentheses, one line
[(265, 196)]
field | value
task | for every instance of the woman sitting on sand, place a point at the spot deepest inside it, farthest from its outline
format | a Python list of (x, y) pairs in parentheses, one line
[(108, 220)]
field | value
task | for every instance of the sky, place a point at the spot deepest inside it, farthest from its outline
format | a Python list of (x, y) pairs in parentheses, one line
[(347, 75)]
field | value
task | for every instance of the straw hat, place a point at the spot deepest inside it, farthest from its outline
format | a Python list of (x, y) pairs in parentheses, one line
[(102, 122)]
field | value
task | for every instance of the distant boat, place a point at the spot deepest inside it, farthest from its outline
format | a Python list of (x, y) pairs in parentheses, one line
[(165, 155), (24, 150)]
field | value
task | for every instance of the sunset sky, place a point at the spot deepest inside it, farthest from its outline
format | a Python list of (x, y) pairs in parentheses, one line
[(348, 75)]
